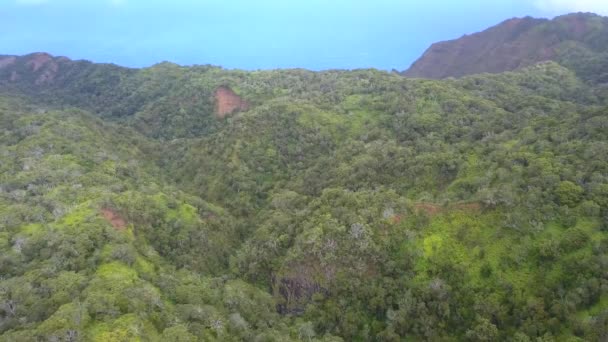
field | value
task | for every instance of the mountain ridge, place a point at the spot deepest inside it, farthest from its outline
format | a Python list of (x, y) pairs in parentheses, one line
[(571, 40)]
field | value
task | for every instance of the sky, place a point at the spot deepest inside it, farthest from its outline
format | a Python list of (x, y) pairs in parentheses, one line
[(262, 34)]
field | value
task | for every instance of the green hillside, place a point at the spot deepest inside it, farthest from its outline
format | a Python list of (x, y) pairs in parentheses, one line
[(339, 206)]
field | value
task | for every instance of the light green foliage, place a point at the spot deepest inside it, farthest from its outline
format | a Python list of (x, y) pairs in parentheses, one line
[(345, 205), (569, 194), (178, 333), (125, 328), (66, 323)]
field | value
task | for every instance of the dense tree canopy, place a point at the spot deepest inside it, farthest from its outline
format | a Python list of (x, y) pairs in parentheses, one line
[(342, 205)]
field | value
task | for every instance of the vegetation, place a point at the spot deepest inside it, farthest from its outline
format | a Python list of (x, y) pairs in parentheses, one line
[(343, 205), (577, 41)]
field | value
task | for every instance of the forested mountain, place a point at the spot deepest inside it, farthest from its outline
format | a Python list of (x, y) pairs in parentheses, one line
[(578, 41), (177, 203)]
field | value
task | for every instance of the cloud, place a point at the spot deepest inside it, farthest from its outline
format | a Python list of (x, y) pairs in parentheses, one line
[(567, 6)]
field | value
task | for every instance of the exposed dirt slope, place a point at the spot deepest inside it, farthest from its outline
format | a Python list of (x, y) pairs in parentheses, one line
[(228, 102), (113, 218)]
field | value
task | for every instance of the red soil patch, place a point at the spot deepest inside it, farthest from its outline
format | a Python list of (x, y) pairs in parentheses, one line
[(228, 102), (433, 209), (428, 208), (114, 219), (4, 62), (467, 206), (38, 60)]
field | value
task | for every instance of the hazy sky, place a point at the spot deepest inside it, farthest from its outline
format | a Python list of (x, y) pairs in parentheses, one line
[(249, 34)]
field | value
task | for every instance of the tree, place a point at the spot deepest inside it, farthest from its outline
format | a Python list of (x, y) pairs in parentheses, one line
[(483, 330), (178, 333), (569, 194)]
